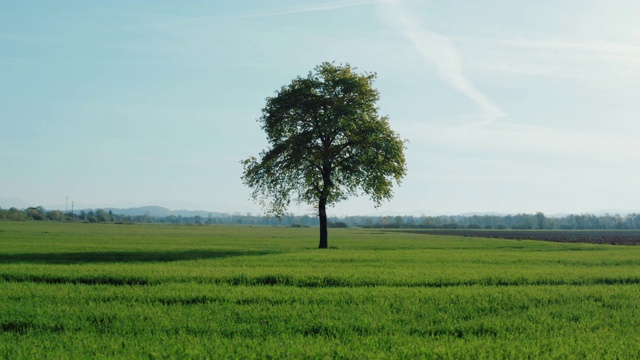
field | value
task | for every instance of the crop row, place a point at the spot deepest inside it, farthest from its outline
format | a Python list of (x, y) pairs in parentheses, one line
[(154, 291), (199, 321)]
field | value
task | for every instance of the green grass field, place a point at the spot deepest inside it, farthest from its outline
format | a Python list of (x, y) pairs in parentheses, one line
[(156, 291)]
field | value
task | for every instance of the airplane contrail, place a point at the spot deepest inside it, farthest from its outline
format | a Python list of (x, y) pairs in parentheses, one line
[(440, 52)]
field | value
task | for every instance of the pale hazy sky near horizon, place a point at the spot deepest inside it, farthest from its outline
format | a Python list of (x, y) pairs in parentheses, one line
[(508, 106)]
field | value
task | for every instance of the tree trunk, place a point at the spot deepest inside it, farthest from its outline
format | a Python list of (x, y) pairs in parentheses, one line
[(322, 213)]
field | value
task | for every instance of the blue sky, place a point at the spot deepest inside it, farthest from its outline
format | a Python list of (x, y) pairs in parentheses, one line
[(508, 106)]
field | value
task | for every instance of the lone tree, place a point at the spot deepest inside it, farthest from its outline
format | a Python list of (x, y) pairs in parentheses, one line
[(326, 142)]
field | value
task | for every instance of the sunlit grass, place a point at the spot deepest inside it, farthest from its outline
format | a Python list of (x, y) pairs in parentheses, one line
[(154, 291)]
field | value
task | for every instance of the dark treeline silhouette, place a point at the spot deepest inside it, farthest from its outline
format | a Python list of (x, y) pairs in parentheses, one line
[(518, 221)]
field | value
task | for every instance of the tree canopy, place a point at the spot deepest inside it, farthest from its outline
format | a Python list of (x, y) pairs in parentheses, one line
[(326, 143)]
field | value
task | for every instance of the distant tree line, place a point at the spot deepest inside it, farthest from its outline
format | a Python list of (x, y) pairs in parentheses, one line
[(39, 213), (518, 221), (92, 216)]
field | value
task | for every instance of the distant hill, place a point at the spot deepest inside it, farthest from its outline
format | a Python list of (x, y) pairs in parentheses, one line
[(9, 202), (159, 211)]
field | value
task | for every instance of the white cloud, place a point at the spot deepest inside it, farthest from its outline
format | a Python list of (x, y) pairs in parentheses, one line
[(440, 52), (532, 144), (596, 61), (318, 7), (310, 8)]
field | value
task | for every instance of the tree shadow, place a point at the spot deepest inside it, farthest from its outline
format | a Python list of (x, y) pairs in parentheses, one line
[(125, 256)]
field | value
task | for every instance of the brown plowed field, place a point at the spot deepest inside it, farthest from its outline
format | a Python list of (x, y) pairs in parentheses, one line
[(616, 237)]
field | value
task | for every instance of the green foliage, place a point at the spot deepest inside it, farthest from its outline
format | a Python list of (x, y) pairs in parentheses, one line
[(326, 142), (161, 291)]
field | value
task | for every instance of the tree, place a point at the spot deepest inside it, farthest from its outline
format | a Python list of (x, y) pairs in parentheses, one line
[(36, 213), (102, 215), (55, 215), (541, 220), (326, 142)]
